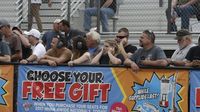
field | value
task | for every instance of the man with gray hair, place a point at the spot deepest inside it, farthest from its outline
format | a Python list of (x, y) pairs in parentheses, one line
[(93, 42), (148, 55), (184, 41)]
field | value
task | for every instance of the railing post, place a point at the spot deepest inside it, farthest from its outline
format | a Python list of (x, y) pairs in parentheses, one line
[(69, 11), (29, 14), (86, 4), (98, 16), (169, 16), (160, 3)]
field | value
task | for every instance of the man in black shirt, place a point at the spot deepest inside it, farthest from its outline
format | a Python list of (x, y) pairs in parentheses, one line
[(193, 56), (122, 39), (108, 9), (69, 33)]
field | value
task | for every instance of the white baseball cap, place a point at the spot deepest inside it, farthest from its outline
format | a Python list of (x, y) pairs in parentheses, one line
[(33, 32), (57, 21)]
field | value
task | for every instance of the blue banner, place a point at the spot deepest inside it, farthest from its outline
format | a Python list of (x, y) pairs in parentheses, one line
[(66, 89)]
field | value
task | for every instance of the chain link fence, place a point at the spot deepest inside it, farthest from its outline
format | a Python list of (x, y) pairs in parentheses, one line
[(136, 15)]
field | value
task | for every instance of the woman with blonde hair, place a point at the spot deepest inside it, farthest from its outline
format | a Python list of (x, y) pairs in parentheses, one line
[(109, 54)]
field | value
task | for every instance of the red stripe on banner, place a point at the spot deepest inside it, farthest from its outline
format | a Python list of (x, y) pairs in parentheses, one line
[(197, 95)]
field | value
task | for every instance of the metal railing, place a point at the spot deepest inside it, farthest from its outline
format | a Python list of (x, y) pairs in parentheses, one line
[(72, 7), (22, 11)]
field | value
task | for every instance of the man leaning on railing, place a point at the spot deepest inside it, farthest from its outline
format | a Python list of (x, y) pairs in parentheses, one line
[(148, 55), (193, 56)]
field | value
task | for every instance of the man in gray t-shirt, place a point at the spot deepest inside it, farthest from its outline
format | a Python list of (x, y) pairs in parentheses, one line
[(149, 54), (153, 54)]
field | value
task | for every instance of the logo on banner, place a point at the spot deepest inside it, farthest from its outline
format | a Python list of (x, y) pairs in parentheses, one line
[(197, 96), (2, 91), (118, 107), (156, 94), (85, 86)]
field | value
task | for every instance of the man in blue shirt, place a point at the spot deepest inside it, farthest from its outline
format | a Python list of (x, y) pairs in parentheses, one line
[(48, 36)]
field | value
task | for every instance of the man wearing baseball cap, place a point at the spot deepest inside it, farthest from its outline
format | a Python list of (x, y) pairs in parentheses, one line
[(38, 49), (12, 40), (48, 36), (184, 41)]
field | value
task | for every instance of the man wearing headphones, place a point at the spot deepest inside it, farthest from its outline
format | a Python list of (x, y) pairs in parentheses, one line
[(148, 55), (58, 53)]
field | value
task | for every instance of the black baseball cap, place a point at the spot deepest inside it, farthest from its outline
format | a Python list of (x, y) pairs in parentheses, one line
[(181, 33)]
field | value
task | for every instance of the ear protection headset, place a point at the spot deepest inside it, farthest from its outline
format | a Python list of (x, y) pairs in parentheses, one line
[(60, 43), (79, 45)]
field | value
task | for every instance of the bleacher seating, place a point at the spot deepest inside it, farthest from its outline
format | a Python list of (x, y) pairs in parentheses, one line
[(136, 15)]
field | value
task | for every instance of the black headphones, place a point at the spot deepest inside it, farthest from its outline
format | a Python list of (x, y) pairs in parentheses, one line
[(60, 43), (79, 45)]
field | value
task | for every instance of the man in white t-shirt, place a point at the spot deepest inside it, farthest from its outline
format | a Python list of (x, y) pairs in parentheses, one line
[(184, 41), (38, 49), (34, 12)]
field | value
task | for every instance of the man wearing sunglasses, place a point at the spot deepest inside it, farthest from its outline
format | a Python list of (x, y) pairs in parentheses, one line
[(148, 54), (122, 39)]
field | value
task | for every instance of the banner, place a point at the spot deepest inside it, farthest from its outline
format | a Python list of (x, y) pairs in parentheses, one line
[(100, 89), (194, 91), (158, 90), (6, 88), (66, 89)]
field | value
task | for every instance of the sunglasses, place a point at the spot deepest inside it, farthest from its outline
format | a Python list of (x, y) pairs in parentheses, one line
[(121, 37)]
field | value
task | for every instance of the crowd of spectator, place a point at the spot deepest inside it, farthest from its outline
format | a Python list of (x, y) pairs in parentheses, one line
[(63, 45)]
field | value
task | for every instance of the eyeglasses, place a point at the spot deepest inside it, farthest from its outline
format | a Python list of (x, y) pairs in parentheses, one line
[(121, 37)]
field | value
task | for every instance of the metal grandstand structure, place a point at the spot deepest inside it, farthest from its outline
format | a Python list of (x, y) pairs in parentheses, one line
[(136, 15)]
